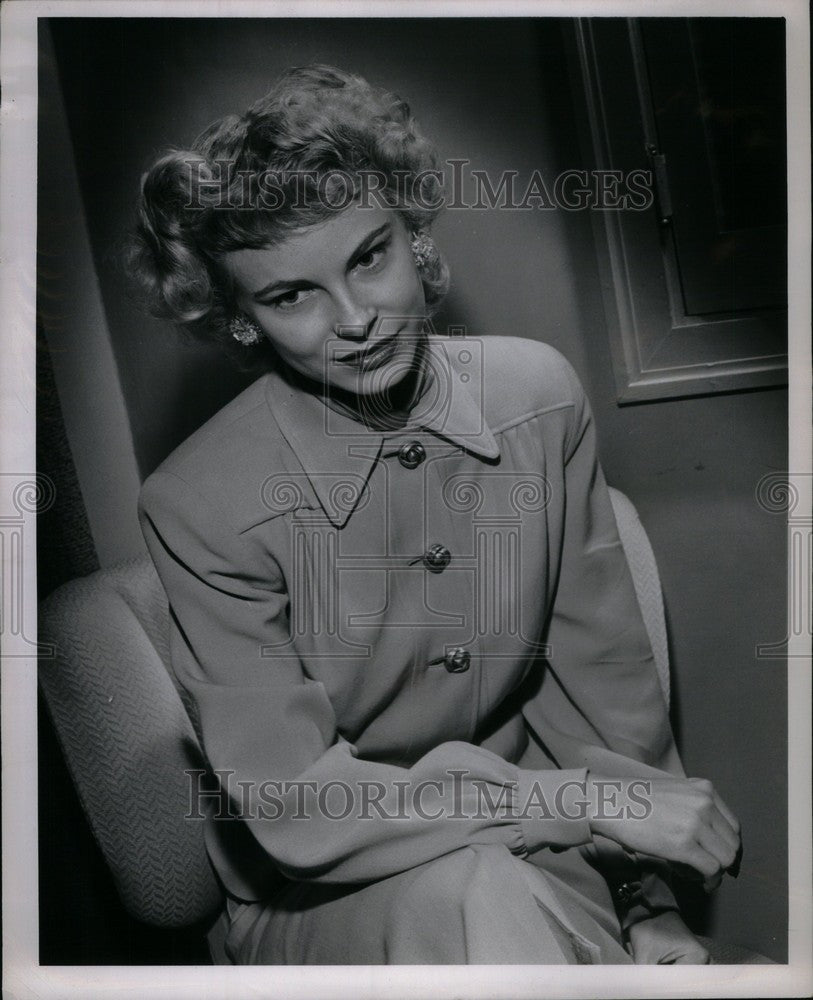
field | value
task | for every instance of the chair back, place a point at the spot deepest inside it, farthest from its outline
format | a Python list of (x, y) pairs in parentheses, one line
[(128, 740), (647, 582)]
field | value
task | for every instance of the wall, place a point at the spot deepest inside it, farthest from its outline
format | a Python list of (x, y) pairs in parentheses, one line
[(495, 93), (77, 340)]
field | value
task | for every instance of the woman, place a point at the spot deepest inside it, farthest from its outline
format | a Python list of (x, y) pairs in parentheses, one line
[(400, 606)]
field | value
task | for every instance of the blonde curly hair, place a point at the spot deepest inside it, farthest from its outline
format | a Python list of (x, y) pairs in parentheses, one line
[(291, 160)]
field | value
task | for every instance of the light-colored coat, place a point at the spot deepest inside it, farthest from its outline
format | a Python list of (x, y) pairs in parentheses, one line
[(319, 641)]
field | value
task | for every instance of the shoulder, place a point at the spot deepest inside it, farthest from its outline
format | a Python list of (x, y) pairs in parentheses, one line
[(523, 377), (224, 464)]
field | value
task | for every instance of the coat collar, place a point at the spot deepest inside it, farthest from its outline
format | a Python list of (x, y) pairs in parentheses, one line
[(338, 453)]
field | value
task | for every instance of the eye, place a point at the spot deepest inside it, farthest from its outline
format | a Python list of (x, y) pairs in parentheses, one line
[(370, 259), (289, 299)]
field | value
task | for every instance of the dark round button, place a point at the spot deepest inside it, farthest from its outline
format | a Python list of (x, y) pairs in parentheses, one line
[(411, 455), (457, 660), (437, 558), (625, 892)]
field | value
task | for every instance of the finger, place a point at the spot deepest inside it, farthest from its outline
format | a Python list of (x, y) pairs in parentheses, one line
[(691, 874), (733, 822), (714, 832), (721, 824), (706, 865), (714, 845), (640, 857), (734, 869), (727, 836), (686, 872), (718, 813), (710, 884)]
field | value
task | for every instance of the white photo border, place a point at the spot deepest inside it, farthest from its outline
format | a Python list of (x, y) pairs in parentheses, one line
[(23, 975)]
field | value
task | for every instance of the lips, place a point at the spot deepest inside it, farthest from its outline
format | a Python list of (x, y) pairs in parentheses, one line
[(373, 356)]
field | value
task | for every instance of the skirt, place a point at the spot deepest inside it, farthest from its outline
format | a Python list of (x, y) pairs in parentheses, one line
[(479, 905)]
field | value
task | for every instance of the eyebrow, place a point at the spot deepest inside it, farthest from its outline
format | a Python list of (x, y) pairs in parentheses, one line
[(289, 283)]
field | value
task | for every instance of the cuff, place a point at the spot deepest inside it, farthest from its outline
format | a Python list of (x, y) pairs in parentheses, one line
[(639, 888), (652, 894), (552, 807)]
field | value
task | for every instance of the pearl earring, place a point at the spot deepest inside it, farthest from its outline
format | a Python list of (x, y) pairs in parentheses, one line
[(245, 330), (423, 249)]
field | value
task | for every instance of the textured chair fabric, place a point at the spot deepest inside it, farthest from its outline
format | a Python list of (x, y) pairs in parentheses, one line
[(644, 571), (128, 739), (723, 953)]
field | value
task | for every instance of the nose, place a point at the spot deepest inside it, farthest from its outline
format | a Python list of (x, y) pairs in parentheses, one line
[(355, 320)]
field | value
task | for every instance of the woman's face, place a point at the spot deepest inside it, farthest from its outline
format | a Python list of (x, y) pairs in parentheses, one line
[(341, 301)]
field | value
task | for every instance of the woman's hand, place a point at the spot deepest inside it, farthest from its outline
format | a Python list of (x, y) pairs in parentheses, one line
[(665, 940), (681, 820)]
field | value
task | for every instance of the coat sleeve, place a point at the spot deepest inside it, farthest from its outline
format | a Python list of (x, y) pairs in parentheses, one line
[(317, 810), (600, 703)]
